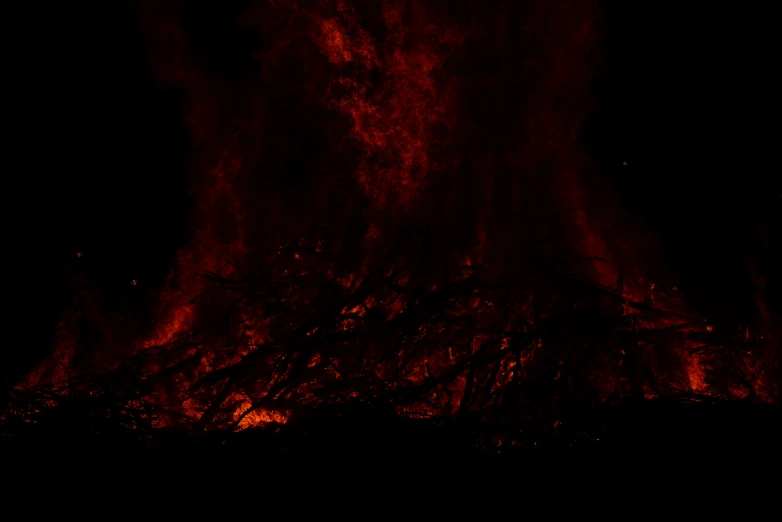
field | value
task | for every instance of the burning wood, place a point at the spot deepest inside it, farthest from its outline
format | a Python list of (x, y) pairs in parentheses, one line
[(293, 343)]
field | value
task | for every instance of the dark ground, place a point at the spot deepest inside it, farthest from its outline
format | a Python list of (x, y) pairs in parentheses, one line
[(701, 456)]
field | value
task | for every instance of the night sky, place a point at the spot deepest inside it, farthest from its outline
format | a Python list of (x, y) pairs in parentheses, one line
[(682, 131)]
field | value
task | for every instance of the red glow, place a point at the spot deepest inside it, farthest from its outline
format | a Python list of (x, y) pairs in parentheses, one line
[(366, 311)]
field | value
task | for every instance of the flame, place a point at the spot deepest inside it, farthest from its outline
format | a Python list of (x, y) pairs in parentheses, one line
[(392, 123), (354, 312)]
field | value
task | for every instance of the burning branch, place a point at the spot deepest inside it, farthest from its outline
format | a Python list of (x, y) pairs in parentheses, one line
[(306, 334)]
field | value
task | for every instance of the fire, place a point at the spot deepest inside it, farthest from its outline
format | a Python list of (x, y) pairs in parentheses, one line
[(392, 123), (696, 375), (380, 249)]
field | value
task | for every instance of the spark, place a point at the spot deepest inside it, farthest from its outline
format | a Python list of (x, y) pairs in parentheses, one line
[(133, 282)]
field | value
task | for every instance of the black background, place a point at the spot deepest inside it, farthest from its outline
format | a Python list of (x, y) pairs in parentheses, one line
[(98, 159)]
